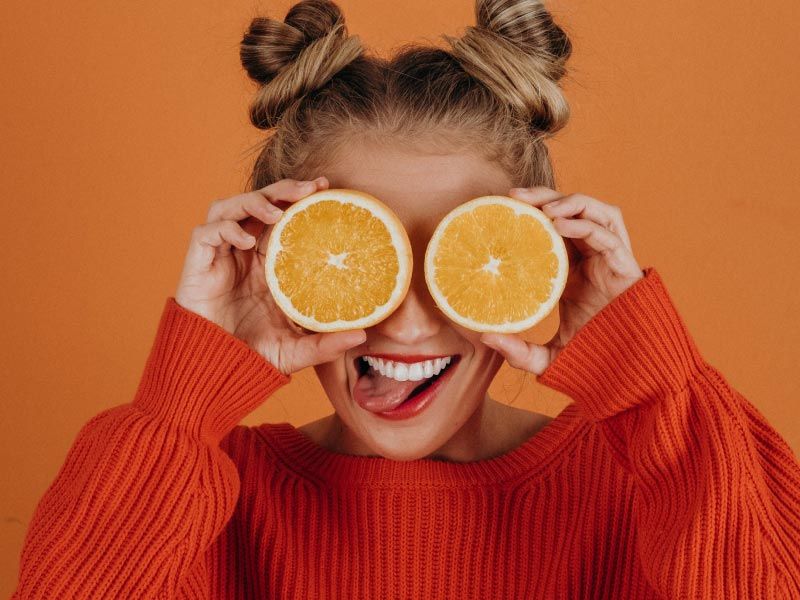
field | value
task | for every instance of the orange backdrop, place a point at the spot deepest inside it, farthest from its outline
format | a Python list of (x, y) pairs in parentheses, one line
[(121, 122)]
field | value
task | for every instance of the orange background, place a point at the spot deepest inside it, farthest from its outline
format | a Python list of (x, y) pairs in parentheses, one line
[(121, 122)]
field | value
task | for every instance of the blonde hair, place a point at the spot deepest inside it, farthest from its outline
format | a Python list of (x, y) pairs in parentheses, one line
[(494, 90)]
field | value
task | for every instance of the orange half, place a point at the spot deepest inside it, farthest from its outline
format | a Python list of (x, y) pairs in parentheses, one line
[(496, 264), (338, 259)]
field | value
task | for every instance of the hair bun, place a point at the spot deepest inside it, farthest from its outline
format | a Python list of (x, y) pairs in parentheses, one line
[(294, 57), (519, 53)]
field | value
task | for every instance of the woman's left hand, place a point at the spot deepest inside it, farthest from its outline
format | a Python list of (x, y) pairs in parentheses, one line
[(601, 267)]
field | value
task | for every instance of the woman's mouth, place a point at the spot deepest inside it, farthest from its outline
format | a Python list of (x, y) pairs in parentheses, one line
[(400, 389)]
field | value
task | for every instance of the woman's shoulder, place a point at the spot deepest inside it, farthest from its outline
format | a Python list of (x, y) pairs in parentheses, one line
[(250, 444)]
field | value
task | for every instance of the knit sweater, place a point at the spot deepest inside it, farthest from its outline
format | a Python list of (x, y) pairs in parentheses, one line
[(660, 480)]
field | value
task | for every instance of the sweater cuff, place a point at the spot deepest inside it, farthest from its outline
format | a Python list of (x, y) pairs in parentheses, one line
[(636, 350), (200, 378)]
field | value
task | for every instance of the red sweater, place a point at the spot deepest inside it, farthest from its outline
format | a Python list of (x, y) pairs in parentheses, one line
[(659, 481)]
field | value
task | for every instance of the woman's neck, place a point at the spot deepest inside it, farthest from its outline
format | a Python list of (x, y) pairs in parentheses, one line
[(493, 429)]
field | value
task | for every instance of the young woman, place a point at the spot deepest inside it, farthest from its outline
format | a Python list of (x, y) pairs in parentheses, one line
[(659, 481)]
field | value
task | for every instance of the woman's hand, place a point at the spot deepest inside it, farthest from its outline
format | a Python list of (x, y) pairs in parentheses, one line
[(224, 279), (602, 266)]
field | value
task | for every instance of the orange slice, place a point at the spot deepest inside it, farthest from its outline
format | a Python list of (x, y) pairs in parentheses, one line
[(338, 259), (496, 264)]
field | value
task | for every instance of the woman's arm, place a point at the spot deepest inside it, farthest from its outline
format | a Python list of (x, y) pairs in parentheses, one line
[(145, 488), (717, 488)]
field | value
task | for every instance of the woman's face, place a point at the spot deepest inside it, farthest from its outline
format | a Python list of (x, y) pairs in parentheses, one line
[(421, 189)]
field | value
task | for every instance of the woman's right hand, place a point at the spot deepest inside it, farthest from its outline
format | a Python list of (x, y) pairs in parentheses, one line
[(224, 279)]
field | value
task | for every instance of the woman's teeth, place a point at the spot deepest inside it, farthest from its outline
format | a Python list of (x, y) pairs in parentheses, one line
[(401, 371)]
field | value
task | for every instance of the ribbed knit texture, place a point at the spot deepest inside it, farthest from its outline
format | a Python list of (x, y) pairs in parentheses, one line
[(659, 481)]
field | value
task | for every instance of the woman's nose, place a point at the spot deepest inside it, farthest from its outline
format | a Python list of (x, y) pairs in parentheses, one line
[(414, 321)]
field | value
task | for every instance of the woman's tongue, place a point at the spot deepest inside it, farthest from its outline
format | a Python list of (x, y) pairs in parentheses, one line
[(376, 393)]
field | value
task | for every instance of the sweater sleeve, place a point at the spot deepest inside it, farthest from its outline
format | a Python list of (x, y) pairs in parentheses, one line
[(717, 490), (145, 488)]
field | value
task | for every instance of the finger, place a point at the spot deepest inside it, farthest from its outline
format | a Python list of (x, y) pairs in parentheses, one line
[(319, 348), (284, 198), (212, 239), (260, 203), (519, 353), (586, 207), (535, 196), (600, 240)]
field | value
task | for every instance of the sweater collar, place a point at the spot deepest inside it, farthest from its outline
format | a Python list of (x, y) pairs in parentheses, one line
[(532, 458)]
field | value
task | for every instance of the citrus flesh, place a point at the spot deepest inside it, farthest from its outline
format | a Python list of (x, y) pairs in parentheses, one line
[(338, 259), (496, 264)]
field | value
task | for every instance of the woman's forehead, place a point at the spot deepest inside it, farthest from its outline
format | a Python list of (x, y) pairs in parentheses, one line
[(418, 186)]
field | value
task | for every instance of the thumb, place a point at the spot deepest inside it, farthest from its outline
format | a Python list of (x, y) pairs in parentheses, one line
[(519, 353), (324, 347)]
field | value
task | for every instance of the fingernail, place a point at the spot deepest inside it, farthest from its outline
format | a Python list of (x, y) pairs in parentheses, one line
[(359, 337), (490, 341), (320, 181), (518, 190)]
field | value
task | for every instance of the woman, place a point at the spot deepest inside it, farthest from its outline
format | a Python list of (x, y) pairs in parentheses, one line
[(659, 481)]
